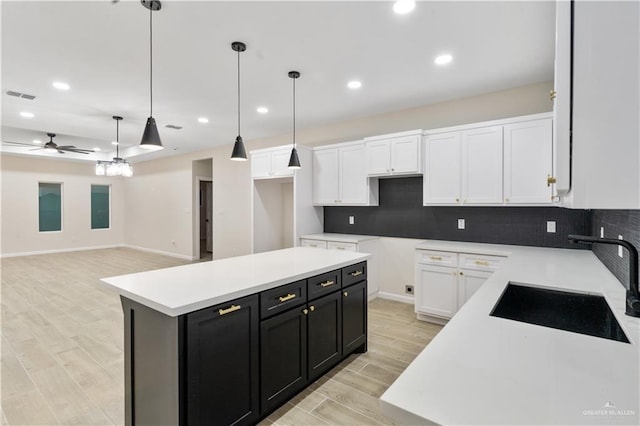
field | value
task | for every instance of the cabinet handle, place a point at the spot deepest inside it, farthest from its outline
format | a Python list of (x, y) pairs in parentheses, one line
[(233, 308), (393, 170), (552, 94), (287, 297), (313, 245), (327, 283), (436, 258), (356, 273), (457, 200), (305, 311), (550, 180), (482, 262), (346, 293), (506, 200), (340, 248), (312, 308), (461, 273)]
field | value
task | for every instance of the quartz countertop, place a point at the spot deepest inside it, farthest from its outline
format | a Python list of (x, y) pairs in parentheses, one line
[(487, 370), (183, 289), (341, 238)]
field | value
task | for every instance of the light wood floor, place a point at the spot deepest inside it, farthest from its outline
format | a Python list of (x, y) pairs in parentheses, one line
[(62, 347)]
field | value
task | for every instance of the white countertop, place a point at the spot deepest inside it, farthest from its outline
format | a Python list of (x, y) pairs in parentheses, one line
[(183, 289), (486, 370), (341, 238)]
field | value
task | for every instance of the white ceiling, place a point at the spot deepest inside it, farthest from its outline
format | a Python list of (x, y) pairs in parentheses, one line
[(101, 49)]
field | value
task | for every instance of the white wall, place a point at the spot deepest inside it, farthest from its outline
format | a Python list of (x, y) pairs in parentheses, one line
[(19, 210)]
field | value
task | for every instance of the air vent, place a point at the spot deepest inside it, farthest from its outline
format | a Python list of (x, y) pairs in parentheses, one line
[(173, 126), (20, 95)]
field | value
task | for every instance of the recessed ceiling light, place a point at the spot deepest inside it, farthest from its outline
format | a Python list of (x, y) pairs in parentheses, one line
[(26, 114), (402, 7), (114, 143), (203, 120), (355, 84), (36, 141), (262, 110), (443, 59), (60, 85)]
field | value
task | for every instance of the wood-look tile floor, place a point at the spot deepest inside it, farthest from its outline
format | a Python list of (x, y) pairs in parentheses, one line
[(62, 347)]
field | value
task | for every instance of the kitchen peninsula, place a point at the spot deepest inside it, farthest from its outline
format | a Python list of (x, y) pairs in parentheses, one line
[(228, 341)]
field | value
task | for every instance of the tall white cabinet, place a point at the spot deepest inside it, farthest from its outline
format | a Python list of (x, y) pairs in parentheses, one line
[(281, 204)]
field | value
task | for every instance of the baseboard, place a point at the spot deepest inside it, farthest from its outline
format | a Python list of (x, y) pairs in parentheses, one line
[(165, 253), (67, 250), (397, 297)]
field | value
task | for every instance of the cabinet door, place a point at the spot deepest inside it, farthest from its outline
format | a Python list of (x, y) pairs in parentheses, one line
[(354, 317), (324, 334), (482, 166), (562, 95), (325, 176), (280, 163), (436, 292), (378, 155), (405, 155), (442, 172), (261, 165), (469, 281), (283, 358), (222, 363), (528, 161), (354, 183)]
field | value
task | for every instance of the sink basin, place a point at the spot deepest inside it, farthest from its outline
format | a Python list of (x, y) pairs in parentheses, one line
[(575, 312)]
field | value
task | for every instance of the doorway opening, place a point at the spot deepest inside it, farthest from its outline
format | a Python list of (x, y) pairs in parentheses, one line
[(205, 233)]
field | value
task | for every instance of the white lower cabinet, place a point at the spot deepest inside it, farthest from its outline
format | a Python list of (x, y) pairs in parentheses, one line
[(445, 281)]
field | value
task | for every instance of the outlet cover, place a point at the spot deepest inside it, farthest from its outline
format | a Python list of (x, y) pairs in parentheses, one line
[(551, 226), (460, 223), (620, 251), (408, 289), (352, 220), (602, 232)]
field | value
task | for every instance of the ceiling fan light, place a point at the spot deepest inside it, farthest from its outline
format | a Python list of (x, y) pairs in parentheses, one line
[(101, 169), (151, 137), (127, 170), (239, 153), (294, 161)]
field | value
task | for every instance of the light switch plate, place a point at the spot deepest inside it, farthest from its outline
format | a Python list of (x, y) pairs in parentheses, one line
[(352, 220), (551, 226), (620, 252), (460, 223)]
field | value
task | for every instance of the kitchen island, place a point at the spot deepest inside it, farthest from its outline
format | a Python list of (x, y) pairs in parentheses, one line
[(483, 369), (230, 340)]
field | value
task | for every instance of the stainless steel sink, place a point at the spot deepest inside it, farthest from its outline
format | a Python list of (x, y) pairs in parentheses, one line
[(575, 312)]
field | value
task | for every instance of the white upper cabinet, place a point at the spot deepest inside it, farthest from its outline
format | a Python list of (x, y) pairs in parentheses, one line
[(270, 163), (561, 96), (528, 153), (482, 166), (394, 154), (442, 169), (340, 176)]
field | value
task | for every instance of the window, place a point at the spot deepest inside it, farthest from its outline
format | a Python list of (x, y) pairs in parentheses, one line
[(50, 206), (100, 206)]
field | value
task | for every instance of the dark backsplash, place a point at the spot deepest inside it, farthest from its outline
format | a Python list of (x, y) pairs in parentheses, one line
[(401, 214), (616, 222)]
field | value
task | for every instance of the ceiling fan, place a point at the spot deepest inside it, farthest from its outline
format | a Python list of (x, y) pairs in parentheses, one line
[(52, 146)]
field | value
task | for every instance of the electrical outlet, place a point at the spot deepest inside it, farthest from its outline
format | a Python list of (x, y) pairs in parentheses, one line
[(620, 251), (352, 220), (602, 232), (408, 289), (460, 223), (551, 226)]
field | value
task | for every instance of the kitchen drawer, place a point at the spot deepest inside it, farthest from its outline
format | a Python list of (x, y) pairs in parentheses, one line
[(354, 273), (313, 243), (441, 258), (323, 284), (334, 245), (480, 262), (281, 298)]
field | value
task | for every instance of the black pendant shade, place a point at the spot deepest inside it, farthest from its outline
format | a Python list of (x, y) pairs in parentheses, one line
[(150, 137), (239, 154), (294, 161)]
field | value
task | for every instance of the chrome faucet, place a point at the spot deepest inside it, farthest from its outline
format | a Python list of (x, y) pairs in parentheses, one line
[(633, 297)]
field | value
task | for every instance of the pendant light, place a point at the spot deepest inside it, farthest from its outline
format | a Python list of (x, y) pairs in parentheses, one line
[(294, 161), (150, 137), (118, 166), (239, 153)]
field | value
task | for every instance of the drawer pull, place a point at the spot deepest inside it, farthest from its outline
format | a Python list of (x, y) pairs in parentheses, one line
[(313, 245), (340, 248), (356, 273), (346, 293), (233, 308), (312, 308), (327, 283), (482, 262), (305, 311), (287, 297), (435, 257)]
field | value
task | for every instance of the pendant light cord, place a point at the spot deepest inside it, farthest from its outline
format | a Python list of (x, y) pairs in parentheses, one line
[(117, 138), (151, 60), (294, 112), (238, 92)]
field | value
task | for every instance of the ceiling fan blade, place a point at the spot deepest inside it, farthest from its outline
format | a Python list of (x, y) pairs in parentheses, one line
[(18, 143), (60, 151), (74, 149), (36, 149)]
